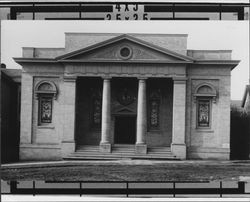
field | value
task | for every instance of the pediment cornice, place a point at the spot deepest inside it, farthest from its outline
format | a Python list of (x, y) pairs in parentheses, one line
[(134, 50)]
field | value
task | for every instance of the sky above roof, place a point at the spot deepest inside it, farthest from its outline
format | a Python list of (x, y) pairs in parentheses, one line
[(204, 35)]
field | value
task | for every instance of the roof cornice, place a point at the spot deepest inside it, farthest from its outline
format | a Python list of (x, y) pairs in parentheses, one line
[(128, 61), (36, 60)]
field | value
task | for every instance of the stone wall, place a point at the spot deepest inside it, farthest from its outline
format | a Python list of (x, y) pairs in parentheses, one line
[(40, 142), (213, 142)]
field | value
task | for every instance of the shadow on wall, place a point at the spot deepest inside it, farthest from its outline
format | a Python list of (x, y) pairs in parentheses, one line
[(10, 95), (239, 134)]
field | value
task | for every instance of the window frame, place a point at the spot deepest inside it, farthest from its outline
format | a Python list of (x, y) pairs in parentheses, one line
[(41, 94), (41, 97), (209, 100)]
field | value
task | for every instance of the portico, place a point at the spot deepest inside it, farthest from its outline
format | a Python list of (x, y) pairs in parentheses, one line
[(128, 102)]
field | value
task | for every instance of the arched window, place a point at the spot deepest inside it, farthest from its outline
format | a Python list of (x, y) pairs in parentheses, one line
[(203, 96), (45, 92)]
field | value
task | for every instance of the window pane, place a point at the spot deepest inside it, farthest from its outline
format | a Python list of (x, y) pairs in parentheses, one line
[(46, 110), (203, 113)]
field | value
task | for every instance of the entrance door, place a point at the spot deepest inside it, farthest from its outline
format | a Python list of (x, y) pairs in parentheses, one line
[(125, 129)]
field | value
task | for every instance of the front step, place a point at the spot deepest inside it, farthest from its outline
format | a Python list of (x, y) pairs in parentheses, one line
[(89, 152)]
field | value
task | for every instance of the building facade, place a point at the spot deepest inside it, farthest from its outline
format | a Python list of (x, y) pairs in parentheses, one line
[(143, 94)]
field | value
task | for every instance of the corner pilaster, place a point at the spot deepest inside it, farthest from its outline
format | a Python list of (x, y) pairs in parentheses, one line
[(68, 139), (178, 146)]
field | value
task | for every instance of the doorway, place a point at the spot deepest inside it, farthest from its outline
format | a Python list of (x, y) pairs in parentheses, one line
[(125, 129)]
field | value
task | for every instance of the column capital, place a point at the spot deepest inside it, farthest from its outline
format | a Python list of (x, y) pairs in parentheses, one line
[(142, 78), (107, 77), (69, 78)]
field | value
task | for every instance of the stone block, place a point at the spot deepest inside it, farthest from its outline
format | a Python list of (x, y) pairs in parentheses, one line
[(211, 153), (179, 150), (67, 148), (105, 148), (39, 152), (141, 148)]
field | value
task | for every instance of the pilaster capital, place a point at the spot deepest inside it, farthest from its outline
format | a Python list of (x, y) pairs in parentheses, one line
[(69, 78), (180, 80)]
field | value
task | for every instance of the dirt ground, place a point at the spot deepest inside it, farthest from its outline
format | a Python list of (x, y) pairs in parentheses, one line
[(128, 170)]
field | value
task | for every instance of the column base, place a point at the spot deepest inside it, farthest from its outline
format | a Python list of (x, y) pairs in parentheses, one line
[(179, 150), (141, 148), (67, 148), (105, 148)]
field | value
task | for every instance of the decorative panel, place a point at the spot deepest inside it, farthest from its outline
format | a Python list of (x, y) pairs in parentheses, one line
[(125, 96), (45, 109), (97, 107), (154, 109), (203, 113), (154, 113), (97, 111)]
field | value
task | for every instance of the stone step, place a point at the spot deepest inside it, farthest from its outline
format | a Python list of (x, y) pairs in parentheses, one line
[(88, 147), (120, 153), (96, 154), (160, 149), (125, 156)]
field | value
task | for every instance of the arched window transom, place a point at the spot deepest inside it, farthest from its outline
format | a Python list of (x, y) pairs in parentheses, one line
[(45, 92)]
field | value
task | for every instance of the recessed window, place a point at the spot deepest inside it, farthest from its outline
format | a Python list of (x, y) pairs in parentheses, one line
[(205, 94), (45, 110), (45, 92), (96, 108), (203, 108), (154, 110)]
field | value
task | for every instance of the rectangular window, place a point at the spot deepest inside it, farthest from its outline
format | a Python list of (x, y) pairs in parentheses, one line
[(45, 112), (203, 113), (97, 112), (154, 114)]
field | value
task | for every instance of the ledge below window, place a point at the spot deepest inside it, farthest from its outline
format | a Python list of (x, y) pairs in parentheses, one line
[(207, 130), (46, 127)]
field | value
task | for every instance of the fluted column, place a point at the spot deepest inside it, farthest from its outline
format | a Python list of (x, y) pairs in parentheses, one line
[(178, 146), (141, 127), (105, 145)]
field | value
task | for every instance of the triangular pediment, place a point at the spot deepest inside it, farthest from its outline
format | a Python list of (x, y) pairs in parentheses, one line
[(124, 48)]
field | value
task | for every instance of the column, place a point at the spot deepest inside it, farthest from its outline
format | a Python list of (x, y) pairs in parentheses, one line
[(68, 109), (141, 127), (105, 145), (178, 146)]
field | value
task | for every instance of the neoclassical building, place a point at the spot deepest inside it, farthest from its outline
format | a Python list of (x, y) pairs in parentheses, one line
[(125, 95)]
